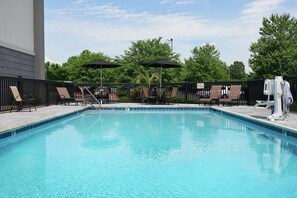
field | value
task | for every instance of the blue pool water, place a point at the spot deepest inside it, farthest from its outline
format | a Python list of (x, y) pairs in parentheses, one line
[(148, 154)]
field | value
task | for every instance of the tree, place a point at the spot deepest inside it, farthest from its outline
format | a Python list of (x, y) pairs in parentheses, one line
[(275, 52), (205, 65), (55, 72), (237, 71), (77, 73), (147, 78), (143, 51)]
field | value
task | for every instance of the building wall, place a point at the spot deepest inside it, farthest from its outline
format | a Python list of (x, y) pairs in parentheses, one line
[(15, 63), (39, 66), (22, 38)]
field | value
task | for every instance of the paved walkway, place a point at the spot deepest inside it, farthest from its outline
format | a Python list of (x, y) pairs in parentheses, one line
[(24, 117), (261, 113)]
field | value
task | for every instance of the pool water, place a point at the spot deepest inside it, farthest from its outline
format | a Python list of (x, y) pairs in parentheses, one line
[(149, 154)]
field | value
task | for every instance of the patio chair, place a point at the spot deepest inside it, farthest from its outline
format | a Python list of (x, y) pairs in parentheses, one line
[(26, 100), (102, 94), (234, 95), (64, 96), (160, 95), (215, 94), (147, 97), (173, 95)]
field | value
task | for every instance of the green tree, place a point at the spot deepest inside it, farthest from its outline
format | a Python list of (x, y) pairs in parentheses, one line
[(275, 52), (147, 78), (55, 72), (77, 73), (143, 51), (237, 71), (205, 65)]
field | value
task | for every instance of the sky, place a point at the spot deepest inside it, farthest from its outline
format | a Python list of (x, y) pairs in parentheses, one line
[(110, 27)]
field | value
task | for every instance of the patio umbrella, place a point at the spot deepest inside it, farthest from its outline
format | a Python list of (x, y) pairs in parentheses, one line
[(101, 64), (162, 64)]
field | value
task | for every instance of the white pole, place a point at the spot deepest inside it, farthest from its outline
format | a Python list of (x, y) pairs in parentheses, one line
[(161, 78), (101, 74), (277, 96), (101, 85)]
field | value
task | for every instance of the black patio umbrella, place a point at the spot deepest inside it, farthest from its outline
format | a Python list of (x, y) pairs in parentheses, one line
[(162, 64), (101, 64)]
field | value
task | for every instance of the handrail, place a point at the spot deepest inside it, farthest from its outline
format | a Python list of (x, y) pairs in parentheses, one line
[(86, 88)]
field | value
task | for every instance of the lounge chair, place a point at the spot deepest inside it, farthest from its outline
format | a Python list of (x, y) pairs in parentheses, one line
[(64, 96), (172, 96), (215, 94), (26, 100), (147, 97), (266, 103), (235, 91)]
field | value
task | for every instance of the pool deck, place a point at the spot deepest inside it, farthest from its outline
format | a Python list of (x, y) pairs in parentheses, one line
[(16, 119)]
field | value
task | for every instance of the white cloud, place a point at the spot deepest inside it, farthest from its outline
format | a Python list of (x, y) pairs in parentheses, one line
[(260, 8), (48, 59), (91, 9), (131, 26), (166, 2), (110, 29), (180, 2), (184, 2)]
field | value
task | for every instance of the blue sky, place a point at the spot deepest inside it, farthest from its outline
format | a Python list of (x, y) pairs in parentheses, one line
[(72, 26)]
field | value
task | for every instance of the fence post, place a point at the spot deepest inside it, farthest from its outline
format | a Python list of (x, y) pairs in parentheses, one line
[(1, 91), (129, 91), (46, 93), (248, 92), (20, 85), (186, 92)]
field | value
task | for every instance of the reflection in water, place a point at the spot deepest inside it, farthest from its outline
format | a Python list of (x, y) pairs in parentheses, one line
[(273, 153), (150, 154), (144, 133), (151, 134), (97, 131), (155, 134)]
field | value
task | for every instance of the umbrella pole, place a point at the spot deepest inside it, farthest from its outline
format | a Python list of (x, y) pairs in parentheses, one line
[(100, 84), (161, 93), (161, 78), (100, 75)]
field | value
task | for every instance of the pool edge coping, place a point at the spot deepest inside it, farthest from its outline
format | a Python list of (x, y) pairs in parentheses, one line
[(15, 130), (264, 123)]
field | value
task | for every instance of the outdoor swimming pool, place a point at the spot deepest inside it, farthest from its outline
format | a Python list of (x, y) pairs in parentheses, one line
[(140, 153)]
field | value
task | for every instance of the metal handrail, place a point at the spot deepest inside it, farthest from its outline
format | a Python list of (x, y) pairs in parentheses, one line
[(94, 97)]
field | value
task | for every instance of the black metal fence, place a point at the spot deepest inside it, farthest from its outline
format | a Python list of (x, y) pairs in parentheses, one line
[(44, 91), (189, 92)]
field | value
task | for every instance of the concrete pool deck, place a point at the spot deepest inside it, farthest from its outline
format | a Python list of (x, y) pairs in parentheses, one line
[(16, 119)]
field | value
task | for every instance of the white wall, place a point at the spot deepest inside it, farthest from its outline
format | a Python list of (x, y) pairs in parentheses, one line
[(16, 25)]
